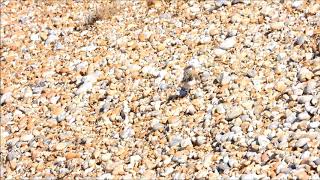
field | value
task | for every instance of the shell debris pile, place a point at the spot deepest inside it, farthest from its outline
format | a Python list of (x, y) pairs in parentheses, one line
[(160, 89)]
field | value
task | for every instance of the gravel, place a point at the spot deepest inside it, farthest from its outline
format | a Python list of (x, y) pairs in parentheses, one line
[(151, 89)]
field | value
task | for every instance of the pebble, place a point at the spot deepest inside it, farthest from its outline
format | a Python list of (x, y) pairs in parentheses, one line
[(248, 176), (304, 116), (311, 87), (201, 174), (317, 161), (156, 125), (300, 40), (85, 87), (281, 56), (201, 140), (5, 97), (219, 52), (61, 146), (297, 4), (127, 132), (186, 142), (106, 157), (35, 37), (212, 29), (228, 43), (280, 86), (89, 48), (27, 137), (305, 74), (175, 141), (304, 99), (233, 113), (167, 172), (195, 9), (301, 142), (314, 125), (105, 176), (178, 176), (224, 78), (263, 141)]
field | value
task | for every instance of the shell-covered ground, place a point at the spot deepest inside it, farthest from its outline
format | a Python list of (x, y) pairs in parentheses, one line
[(168, 89)]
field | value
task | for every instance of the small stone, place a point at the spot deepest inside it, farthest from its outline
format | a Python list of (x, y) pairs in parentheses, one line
[(280, 86), (305, 155), (71, 155), (186, 142), (263, 141), (300, 40), (132, 44), (304, 99), (5, 97), (201, 140), (142, 37), (207, 161), (105, 176), (277, 25), (317, 161), (304, 116), (281, 56), (26, 137), (233, 113), (233, 163), (220, 109), (309, 56), (224, 78), (178, 176), (223, 167), (106, 157), (301, 142), (43, 36), (190, 110), (251, 73), (314, 125), (149, 174), (195, 9), (180, 158), (133, 160), (304, 74), (311, 87), (58, 46), (301, 174), (27, 92), (161, 47), (248, 176), (213, 30), (118, 170), (51, 38), (291, 117), (201, 174), (89, 48), (175, 141), (228, 43), (96, 154), (35, 37), (156, 125), (11, 156), (219, 52), (61, 146), (167, 171), (86, 86), (127, 132), (205, 39), (297, 4)]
